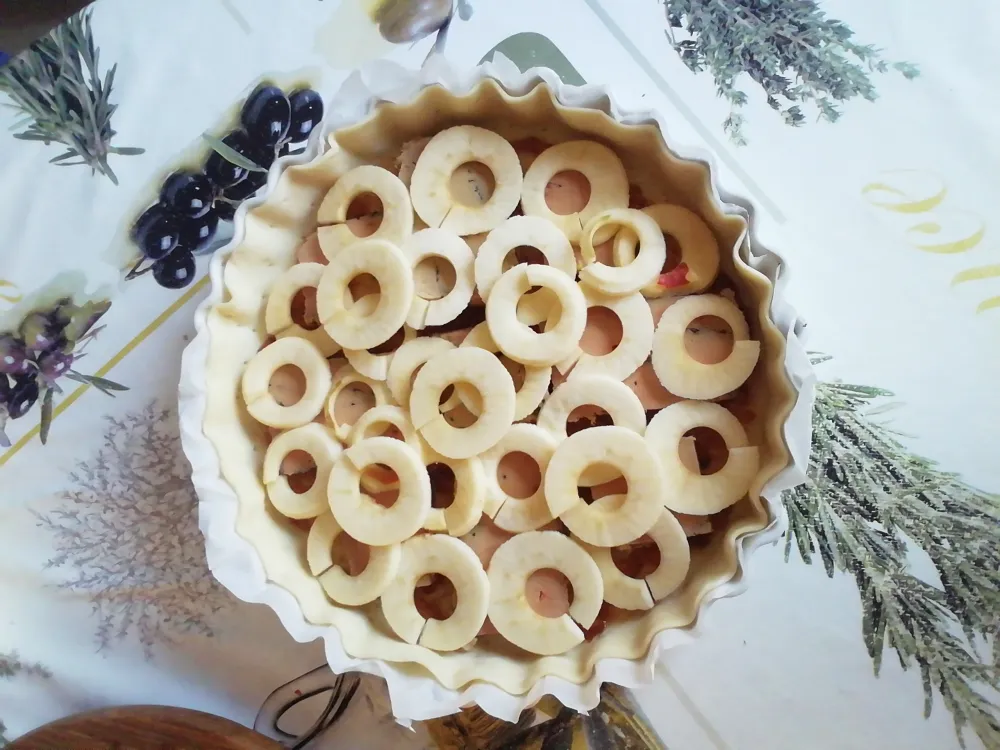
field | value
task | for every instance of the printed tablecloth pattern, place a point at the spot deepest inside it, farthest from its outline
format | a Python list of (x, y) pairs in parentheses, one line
[(884, 209)]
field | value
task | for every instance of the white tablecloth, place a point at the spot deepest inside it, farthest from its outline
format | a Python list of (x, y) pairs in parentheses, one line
[(885, 217)]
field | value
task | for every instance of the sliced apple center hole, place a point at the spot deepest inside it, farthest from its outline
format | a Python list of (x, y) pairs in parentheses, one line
[(603, 332), (526, 254), (389, 430), (364, 214), (443, 485), (548, 592), (461, 416), (362, 285), (375, 481), (472, 184), (353, 401), (287, 385), (617, 485), (435, 597), (703, 450), (391, 344), (300, 469), (304, 311), (568, 192), (434, 277), (637, 559), (519, 475), (708, 339), (350, 554), (673, 258), (587, 415)]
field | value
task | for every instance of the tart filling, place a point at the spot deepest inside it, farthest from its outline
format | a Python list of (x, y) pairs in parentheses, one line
[(461, 374)]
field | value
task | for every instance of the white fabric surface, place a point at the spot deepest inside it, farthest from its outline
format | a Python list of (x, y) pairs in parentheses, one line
[(102, 574)]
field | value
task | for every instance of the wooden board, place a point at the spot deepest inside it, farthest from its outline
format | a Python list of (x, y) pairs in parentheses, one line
[(144, 728)]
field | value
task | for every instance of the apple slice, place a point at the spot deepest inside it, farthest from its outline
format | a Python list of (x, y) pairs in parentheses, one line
[(596, 162), (255, 384), (425, 555), (359, 515), (509, 611), (685, 376), (628, 453), (513, 513), (278, 320), (397, 215), (430, 188), (343, 588), (517, 340), (317, 441), (694, 493)]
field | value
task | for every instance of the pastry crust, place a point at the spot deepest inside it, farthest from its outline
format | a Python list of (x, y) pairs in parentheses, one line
[(274, 231)]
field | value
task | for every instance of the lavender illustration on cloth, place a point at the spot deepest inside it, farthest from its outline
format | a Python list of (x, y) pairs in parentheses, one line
[(127, 529), (57, 87), (867, 501), (12, 667)]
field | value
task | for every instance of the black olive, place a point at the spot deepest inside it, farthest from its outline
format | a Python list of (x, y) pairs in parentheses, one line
[(266, 115)]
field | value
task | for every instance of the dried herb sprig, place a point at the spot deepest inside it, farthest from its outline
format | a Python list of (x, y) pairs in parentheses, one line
[(868, 498), (56, 85), (790, 48)]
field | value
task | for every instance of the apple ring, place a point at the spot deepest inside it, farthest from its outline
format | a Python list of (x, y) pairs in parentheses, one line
[(397, 214), (362, 517), (511, 566), (530, 231), (439, 243), (627, 452), (425, 555), (487, 375), (634, 347), (447, 151), (534, 388), (262, 406), (599, 164), (466, 509), (278, 313), (613, 396), (644, 268), (366, 586), (347, 325), (372, 424), (694, 493), (699, 248), (410, 357), (517, 340), (512, 513), (625, 592), (346, 377), (682, 374), (322, 447)]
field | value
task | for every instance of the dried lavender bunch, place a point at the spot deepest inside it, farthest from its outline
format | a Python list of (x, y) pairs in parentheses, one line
[(56, 85), (790, 48), (868, 498)]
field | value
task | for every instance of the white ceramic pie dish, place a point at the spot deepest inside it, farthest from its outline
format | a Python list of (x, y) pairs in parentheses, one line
[(259, 556)]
